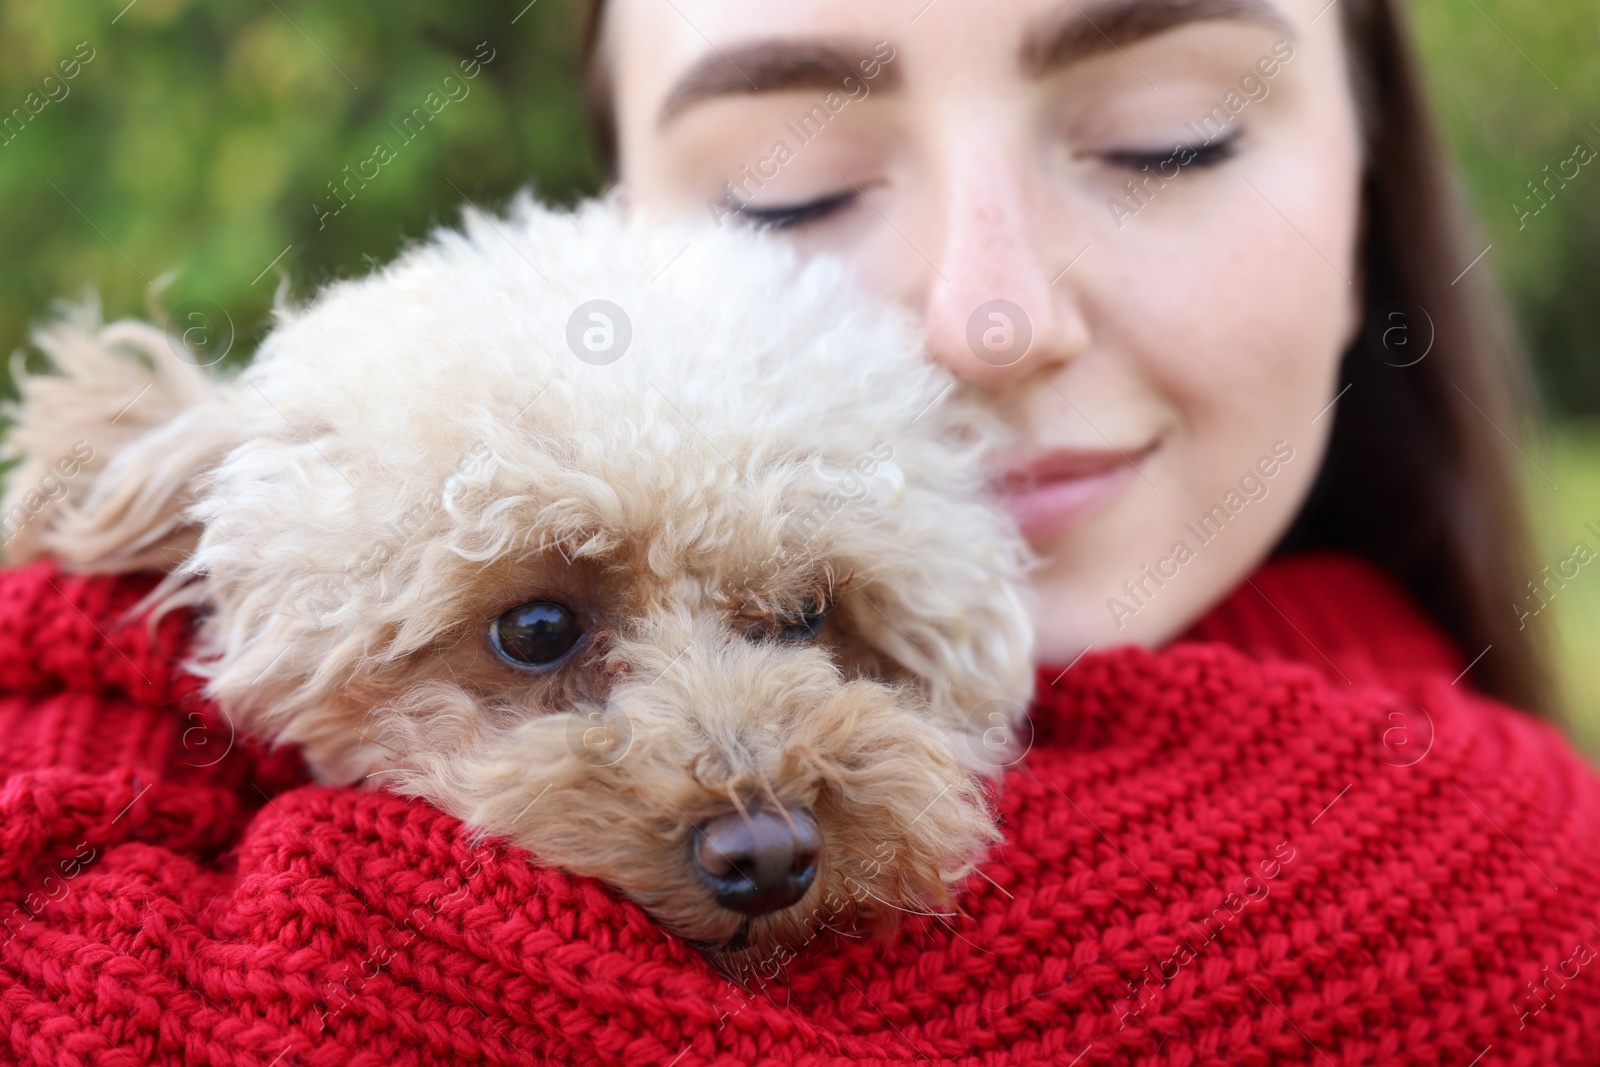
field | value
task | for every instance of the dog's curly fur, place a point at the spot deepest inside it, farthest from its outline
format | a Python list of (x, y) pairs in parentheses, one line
[(418, 451)]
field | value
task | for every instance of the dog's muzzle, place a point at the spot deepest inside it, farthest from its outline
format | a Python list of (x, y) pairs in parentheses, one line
[(758, 863)]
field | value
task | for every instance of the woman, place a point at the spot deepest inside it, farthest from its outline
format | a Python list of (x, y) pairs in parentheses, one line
[(1202, 257), (1216, 218), (1198, 254)]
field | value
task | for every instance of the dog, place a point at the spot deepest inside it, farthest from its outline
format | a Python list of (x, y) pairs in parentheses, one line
[(662, 552)]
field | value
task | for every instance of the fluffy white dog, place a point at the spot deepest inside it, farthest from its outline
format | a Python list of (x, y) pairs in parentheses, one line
[(660, 552)]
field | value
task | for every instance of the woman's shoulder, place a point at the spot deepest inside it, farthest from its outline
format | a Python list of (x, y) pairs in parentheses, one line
[(1316, 687), (1333, 611), (1302, 807)]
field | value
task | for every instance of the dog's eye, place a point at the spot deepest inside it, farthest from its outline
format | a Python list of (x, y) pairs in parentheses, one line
[(804, 624), (537, 635)]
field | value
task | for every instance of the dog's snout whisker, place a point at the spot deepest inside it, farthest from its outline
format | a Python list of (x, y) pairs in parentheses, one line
[(758, 862)]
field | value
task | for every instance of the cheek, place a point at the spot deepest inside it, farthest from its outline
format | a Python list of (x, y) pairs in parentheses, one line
[(1231, 311), (1239, 288), (1265, 323), (1248, 296)]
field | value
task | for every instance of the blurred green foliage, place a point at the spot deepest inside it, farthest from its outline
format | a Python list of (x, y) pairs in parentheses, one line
[(1517, 89), (199, 137), (1568, 512)]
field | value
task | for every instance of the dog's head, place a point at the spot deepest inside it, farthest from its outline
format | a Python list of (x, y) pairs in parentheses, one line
[(659, 552)]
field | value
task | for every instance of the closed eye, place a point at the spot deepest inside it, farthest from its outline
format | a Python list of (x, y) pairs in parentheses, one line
[(1183, 156), (790, 216), (805, 623), (802, 624)]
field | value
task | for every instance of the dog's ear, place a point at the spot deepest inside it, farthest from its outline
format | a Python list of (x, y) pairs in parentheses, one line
[(109, 447)]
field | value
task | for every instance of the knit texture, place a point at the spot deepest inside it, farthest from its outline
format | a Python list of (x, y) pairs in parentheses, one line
[(1290, 837)]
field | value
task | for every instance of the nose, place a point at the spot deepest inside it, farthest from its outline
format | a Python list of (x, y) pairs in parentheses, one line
[(999, 306), (760, 862)]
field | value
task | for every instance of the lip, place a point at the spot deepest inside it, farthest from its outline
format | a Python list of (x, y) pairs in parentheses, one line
[(1053, 491)]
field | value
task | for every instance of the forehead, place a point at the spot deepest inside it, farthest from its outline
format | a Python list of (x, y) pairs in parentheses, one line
[(461, 421), (651, 43), (623, 579), (716, 22)]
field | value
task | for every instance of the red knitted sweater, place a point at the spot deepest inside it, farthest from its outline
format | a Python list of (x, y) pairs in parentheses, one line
[(1290, 837)]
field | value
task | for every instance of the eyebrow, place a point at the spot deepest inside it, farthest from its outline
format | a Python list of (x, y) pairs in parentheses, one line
[(1056, 41), (1080, 31), (777, 66)]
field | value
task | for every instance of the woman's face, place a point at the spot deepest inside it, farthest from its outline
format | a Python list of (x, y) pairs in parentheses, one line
[(1131, 225)]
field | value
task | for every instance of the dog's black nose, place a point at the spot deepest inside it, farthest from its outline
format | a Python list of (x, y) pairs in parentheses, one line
[(758, 863)]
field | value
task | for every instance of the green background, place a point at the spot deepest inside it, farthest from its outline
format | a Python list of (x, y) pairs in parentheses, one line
[(191, 149)]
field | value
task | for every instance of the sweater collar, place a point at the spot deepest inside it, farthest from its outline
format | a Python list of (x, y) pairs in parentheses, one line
[(1336, 613)]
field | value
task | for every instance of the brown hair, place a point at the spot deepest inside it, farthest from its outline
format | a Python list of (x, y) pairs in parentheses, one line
[(1419, 476)]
